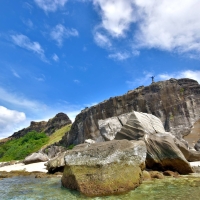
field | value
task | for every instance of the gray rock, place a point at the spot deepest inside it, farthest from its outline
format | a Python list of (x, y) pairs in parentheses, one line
[(175, 102), (36, 157), (109, 127), (104, 168), (53, 151), (163, 154), (139, 124), (56, 164), (197, 146)]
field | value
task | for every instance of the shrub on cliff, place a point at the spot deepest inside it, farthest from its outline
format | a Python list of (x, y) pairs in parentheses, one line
[(18, 149)]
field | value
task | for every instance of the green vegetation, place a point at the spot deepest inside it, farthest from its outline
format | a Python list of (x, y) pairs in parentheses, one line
[(182, 91), (57, 135), (70, 147), (171, 117), (18, 149)]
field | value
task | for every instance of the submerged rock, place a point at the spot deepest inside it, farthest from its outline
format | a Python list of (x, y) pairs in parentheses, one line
[(35, 157), (105, 168), (163, 154)]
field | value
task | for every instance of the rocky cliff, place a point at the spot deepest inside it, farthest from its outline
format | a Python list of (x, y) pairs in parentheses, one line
[(49, 127), (175, 102)]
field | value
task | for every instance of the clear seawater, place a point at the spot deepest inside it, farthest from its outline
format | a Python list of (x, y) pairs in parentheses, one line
[(30, 188)]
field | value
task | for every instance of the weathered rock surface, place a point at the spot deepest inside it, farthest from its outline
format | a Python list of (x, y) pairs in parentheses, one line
[(163, 154), (190, 155), (194, 135), (138, 124), (104, 168), (36, 157), (56, 164), (175, 102), (197, 146), (49, 127), (53, 151)]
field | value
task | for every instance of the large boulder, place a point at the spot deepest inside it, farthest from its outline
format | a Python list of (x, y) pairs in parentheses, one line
[(36, 157), (56, 164), (105, 168), (138, 124), (163, 154)]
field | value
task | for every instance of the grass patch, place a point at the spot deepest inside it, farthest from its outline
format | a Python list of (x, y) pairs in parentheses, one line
[(57, 135), (18, 149)]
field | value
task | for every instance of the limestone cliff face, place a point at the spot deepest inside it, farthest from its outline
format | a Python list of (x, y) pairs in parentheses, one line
[(49, 127), (175, 102)]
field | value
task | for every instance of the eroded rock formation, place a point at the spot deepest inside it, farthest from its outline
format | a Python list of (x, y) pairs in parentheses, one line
[(163, 154), (175, 102), (49, 127), (105, 168)]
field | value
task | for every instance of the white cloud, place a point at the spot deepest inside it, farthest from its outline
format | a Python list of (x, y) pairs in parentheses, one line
[(28, 23), (50, 5), (9, 119), (119, 56), (102, 40), (40, 78), (116, 15), (60, 32), (55, 57), (15, 73), (24, 42), (182, 74), (20, 101), (170, 25)]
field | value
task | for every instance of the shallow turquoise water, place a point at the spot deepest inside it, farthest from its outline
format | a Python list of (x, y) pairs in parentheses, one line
[(20, 188)]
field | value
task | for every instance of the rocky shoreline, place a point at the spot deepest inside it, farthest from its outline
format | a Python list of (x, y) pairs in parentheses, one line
[(115, 146)]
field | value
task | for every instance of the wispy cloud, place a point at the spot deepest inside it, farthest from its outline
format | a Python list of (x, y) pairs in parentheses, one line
[(50, 5), (181, 74), (15, 73), (76, 81), (146, 78), (119, 56), (28, 23), (55, 57), (24, 42), (59, 33), (102, 40), (20, 101), (40, 78)]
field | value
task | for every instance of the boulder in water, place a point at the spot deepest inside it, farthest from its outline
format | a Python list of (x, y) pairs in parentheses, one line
[(163, 154), (104, 168)]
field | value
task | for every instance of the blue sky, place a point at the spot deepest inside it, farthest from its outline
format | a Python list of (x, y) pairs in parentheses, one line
[(64, 55)]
